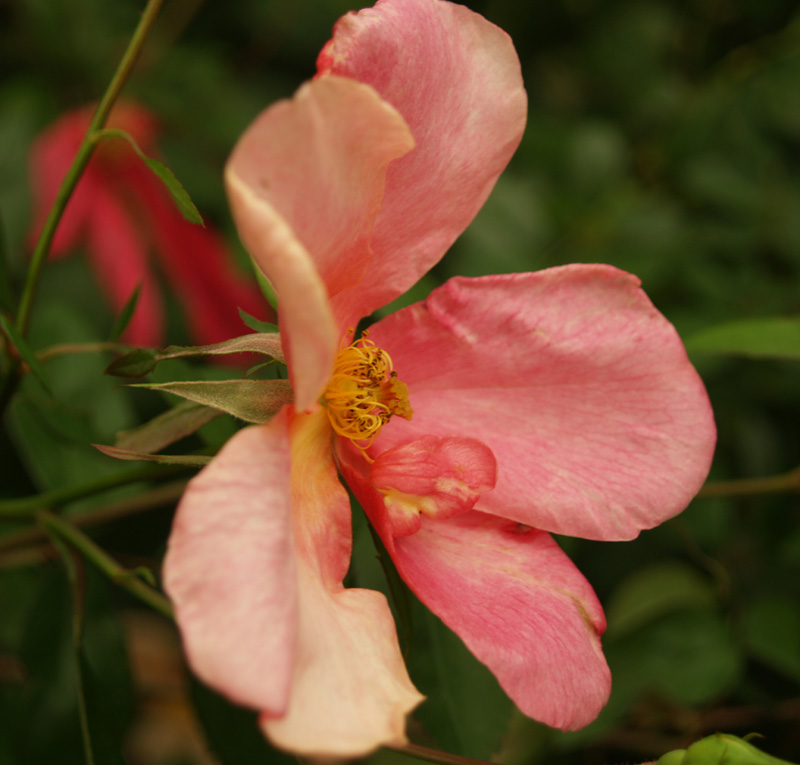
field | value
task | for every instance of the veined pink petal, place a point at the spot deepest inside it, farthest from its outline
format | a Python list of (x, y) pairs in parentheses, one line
[(195, 260), (514, 598), (436, 477), (305, 183), (350, 689), (119, 256), (230, 569), (456, 80), (583, 391)]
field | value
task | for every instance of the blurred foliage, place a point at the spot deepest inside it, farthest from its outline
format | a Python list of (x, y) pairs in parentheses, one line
[(663, 138)]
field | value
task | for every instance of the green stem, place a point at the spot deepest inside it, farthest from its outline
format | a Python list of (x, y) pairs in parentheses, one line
[(747, 487), (76, 585), (69, 183), (15, 508), (434, 755), (116, 573), (81, 160), (166, 494)]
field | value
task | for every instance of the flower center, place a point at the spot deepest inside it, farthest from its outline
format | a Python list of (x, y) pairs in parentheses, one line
[(364, 392)]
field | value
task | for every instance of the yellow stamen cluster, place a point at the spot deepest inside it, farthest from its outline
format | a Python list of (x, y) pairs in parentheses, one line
[(364, 392)]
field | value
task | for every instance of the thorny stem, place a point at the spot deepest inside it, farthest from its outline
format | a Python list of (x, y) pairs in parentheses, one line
[(69, 183), (116, 573)]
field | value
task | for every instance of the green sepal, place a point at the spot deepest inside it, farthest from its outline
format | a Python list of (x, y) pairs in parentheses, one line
[(142, 361), (253, 401), (191, 460), (168, 427), (771, 338), (137, 363), (179, 194), (256, 324)]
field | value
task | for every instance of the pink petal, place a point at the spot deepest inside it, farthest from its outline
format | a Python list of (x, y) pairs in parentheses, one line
[(230, 569), (583, 391), (119, 256), (305, 183), (436, 477), (512, 596), (456, 80), (258, 551), (197, 263), (350, 689)]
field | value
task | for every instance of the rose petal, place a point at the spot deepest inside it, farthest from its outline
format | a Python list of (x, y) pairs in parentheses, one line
[(350, 689), (305, 183), (514, 598), (436, 477), (230, 569), (456, 80), (583, 391)]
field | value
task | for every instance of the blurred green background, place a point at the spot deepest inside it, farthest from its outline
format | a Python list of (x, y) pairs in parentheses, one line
[(663, 138)]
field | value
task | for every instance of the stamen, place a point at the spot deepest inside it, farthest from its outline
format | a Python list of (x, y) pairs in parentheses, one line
[(364, 393)]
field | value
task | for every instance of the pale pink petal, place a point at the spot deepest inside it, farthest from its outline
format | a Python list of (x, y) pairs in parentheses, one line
[(512, 596), (436, 477), (230, 569), (456, 80), (350, 689), (305, 183), (119, 256), (583, 391)]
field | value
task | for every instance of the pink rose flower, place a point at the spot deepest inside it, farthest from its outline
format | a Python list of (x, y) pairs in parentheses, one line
[(122, 215), (468, 425)]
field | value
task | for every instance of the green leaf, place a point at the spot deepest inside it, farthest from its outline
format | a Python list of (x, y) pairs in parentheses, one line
[(720, 749), (124, 318), (265, 343), (266, 288), (195, 460), (142, 361), (47, 716), (771, 630), (654, 591), (6, 291), (777, 338), (232, 732), (28, 356), (466, 710), (256, 324), (250, 400), (168, 427), (167, 177)]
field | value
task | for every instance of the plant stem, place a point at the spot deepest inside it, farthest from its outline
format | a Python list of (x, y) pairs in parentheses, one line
[(116, 573), (165, 494), (69, 183), (434, 755), (15, 508), (746, 487), (82, 158)]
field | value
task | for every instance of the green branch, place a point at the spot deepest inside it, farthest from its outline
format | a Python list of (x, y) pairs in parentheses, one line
[(128, 580), (746, 487), (69, 183)]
